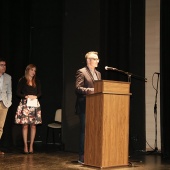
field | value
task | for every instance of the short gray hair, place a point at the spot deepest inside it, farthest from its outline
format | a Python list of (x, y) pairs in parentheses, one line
[(90, 52)]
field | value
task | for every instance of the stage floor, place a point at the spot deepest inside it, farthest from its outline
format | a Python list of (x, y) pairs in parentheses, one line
[(49, 157)]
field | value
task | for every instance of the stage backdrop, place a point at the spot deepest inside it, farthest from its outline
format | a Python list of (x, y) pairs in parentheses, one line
[(112, 29), (31, 32), (55, 35)]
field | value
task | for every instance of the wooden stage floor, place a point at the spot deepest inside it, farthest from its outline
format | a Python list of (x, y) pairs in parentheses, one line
[(49, 157)]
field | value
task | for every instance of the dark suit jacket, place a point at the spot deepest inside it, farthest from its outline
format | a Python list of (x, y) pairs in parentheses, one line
[(84, 81)]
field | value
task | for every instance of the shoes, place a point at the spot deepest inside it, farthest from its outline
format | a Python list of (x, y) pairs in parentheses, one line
[(25, 152), (28, 152), (81, 159), (2, 153), (80, 162)]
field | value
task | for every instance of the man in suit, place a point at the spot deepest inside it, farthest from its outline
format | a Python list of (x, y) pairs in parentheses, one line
[(85, 78), (5, 95)]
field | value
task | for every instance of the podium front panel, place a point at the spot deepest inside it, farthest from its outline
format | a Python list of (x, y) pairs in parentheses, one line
[(107, 130)]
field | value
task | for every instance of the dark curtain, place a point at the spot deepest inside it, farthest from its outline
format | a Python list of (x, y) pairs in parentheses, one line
[(15, 47), (31, 32), (164, 77), (55, 35), (116, 29), (123, 47)]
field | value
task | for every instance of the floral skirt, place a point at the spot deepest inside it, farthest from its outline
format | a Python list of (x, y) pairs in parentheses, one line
[(28, 115)]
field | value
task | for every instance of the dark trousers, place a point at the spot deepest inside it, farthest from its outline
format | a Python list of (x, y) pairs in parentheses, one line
[(82, 133)]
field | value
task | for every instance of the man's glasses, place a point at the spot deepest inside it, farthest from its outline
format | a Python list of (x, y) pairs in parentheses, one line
[(2, 65), (95, 59)]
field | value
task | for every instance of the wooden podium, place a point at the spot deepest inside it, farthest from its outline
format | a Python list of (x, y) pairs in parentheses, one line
[(107, 124)]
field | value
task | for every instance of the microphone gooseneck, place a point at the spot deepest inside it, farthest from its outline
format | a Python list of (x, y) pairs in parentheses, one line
[(127, 73)]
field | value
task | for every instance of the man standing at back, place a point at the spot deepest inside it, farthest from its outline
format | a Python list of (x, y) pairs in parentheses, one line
[(5, 95), (85, 78)]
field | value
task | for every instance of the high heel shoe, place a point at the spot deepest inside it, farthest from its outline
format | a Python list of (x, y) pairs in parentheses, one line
[(31, 152), (25, 152)]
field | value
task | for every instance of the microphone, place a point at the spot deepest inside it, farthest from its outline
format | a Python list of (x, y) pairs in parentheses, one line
[(110, 68), (157, 73)]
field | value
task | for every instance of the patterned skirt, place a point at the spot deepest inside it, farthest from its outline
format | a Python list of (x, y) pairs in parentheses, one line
[(28, 114)]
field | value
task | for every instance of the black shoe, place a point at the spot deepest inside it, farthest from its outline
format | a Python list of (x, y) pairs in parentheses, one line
[(25, 152), (81, 159)]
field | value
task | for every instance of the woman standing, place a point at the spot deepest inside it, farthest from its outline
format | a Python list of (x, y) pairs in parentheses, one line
[(29, 114)]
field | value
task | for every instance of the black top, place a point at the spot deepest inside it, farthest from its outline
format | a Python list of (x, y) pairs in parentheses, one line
[(23, 89)]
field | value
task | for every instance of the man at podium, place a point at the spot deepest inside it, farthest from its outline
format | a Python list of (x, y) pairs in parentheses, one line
[(85, 85)]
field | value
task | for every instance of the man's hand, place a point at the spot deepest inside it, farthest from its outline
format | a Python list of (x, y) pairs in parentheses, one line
[(90, 90)]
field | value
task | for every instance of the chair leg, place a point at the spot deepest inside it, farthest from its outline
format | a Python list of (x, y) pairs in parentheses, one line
[(53, 136), (60, 136), (62, 146), (47, 135)]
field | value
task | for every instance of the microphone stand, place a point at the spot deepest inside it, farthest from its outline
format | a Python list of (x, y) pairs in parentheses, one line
[(131, 75), (155, 106), (155, 114)]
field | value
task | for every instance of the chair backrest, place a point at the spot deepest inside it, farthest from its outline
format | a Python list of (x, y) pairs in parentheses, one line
[(58, 115)]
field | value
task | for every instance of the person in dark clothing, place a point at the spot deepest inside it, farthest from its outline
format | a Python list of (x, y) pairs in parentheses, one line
[(29, 110), (85, 78)]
